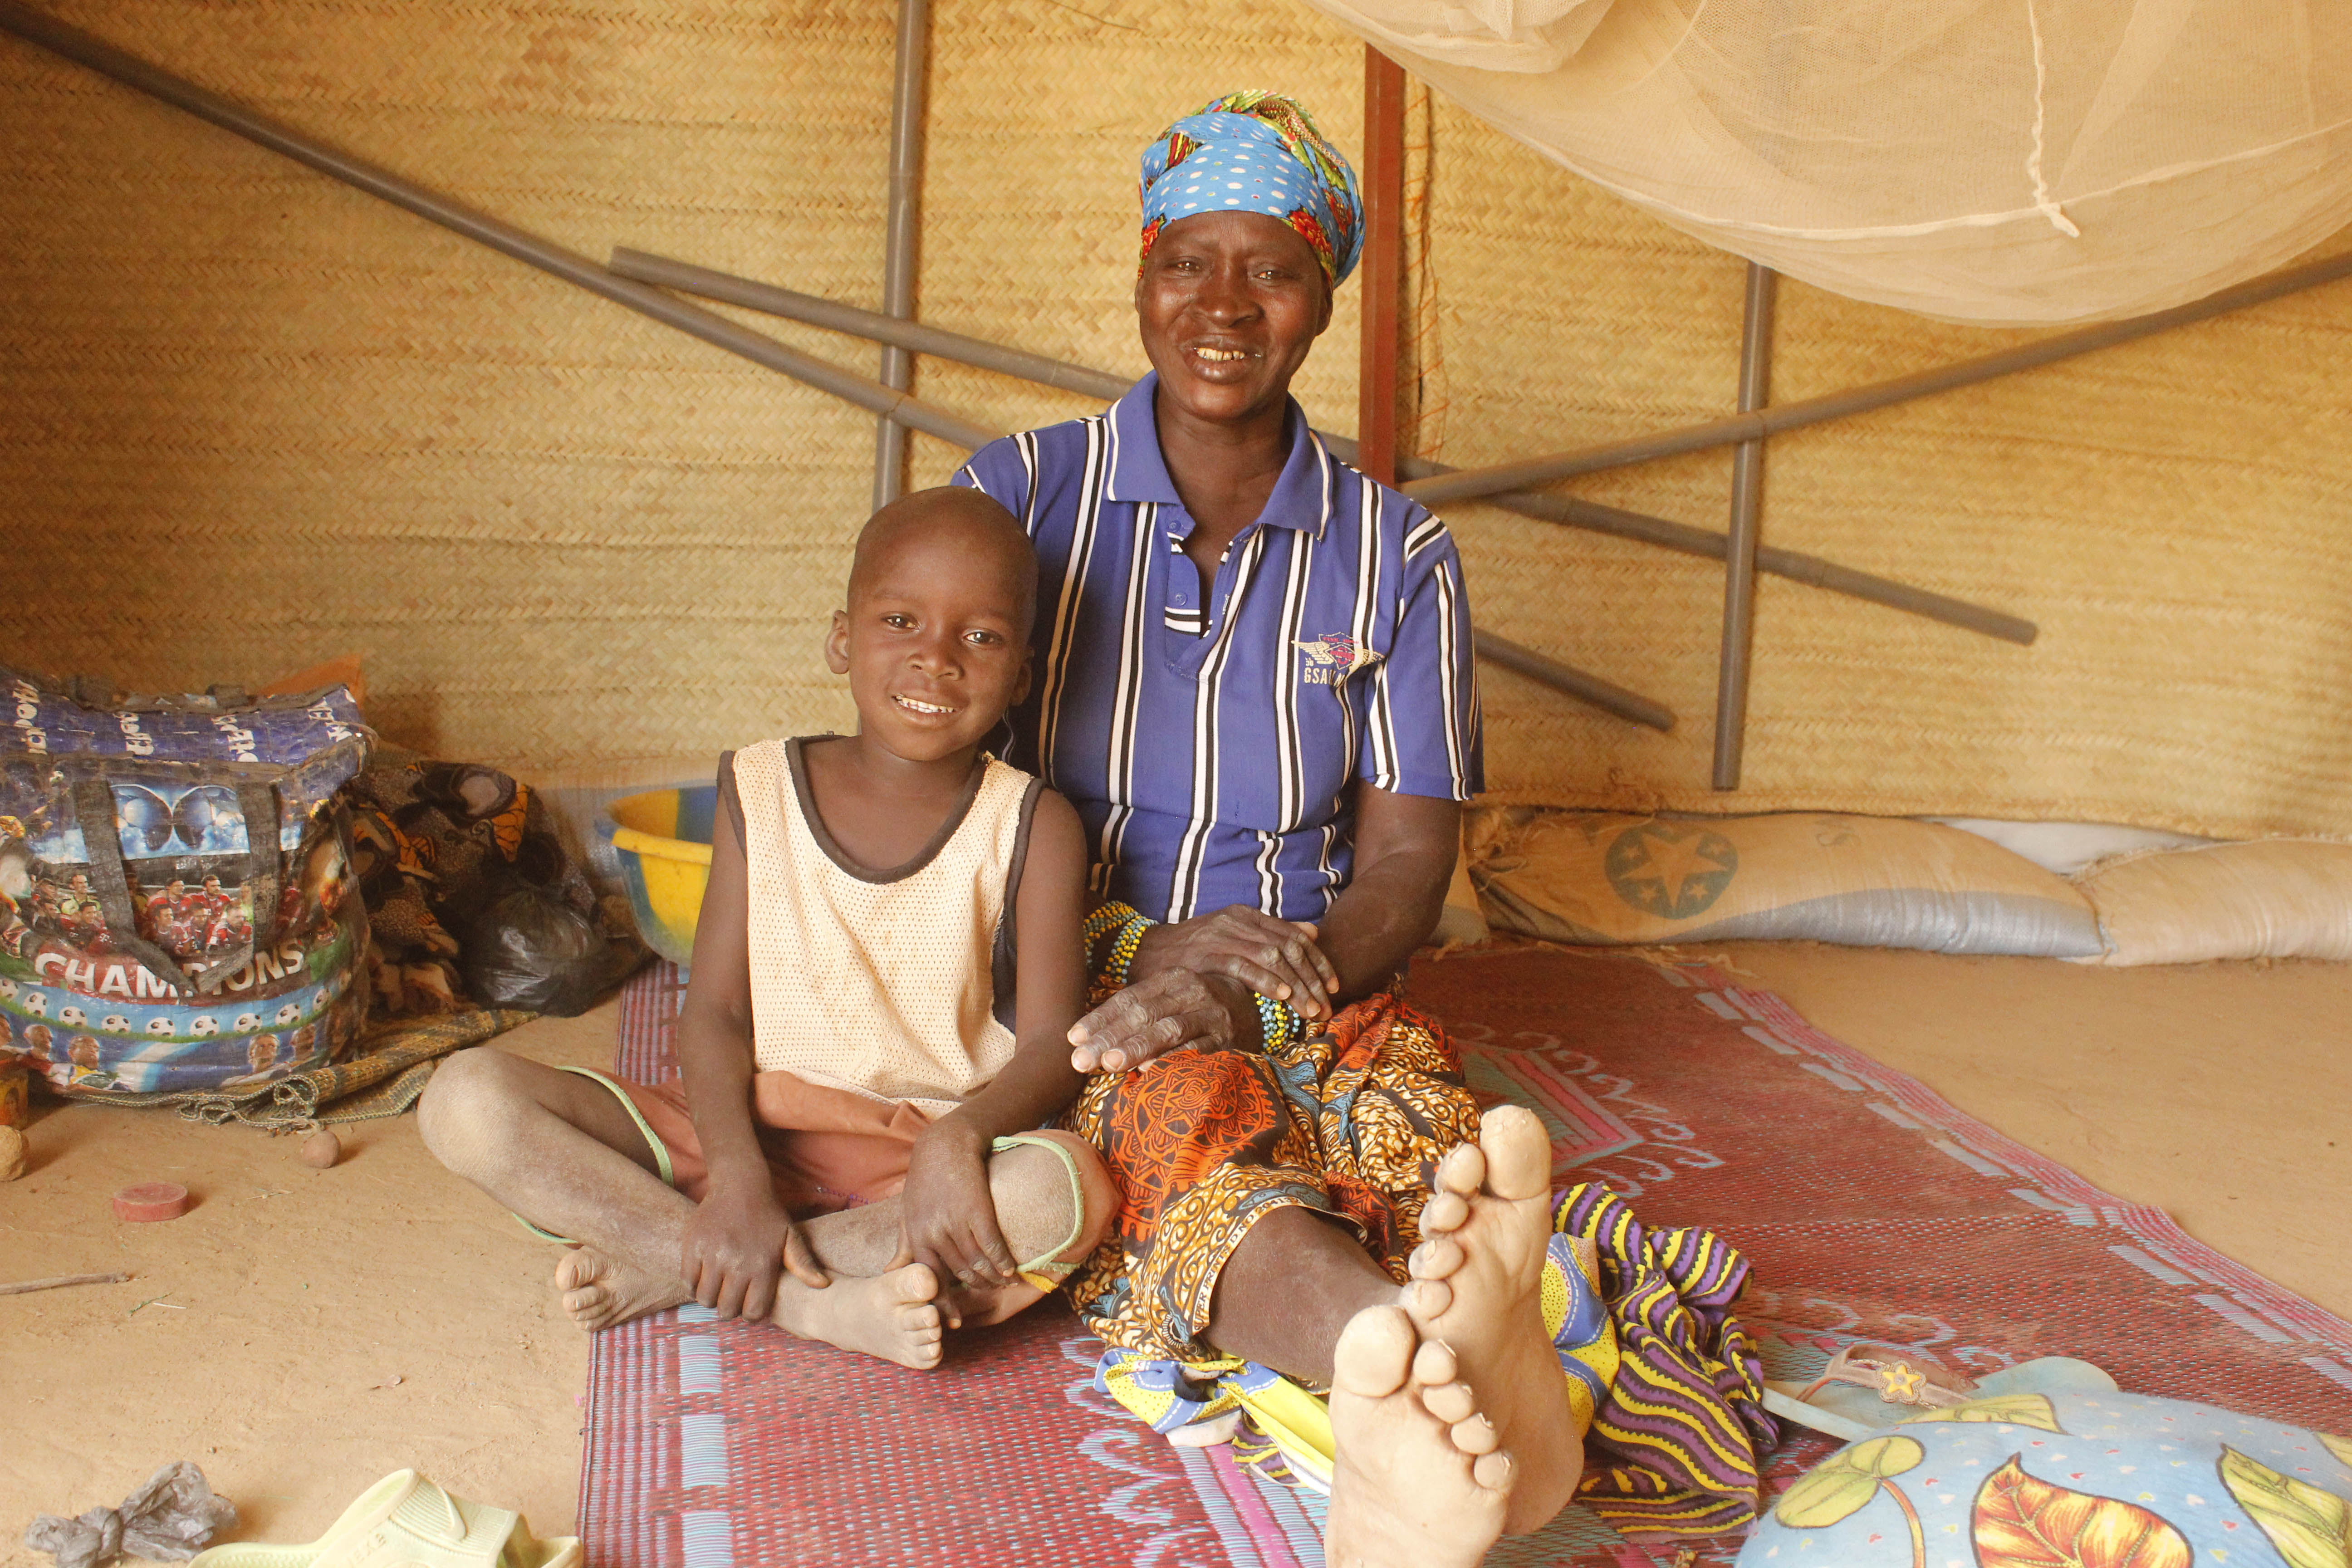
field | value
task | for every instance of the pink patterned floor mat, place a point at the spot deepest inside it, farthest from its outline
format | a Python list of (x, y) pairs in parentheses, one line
[(1872, 1210)]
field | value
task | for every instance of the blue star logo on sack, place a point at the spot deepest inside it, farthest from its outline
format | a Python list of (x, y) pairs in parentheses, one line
[(1331, 658), (1670, 871)]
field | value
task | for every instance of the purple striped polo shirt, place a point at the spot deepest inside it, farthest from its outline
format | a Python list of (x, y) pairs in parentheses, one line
[(1209, 747)]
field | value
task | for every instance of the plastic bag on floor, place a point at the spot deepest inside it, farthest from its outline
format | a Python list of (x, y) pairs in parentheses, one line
[(530, 950)]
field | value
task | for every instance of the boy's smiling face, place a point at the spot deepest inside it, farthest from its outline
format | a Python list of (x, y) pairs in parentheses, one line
[(936, 637)]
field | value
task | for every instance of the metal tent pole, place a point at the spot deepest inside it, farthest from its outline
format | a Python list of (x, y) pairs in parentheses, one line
[(912, 336), (1591, 689), (1464, 483), (1740, 544), (85, 48), (1792, 565), (1591, 516), (907, 96)]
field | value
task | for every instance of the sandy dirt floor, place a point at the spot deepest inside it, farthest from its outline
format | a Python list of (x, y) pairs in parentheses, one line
[(2221, 1093), (263, 1333)]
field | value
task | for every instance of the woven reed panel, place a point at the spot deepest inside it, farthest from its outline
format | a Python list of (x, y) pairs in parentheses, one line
[(1029, 216), (257, 418), (2173, 513)]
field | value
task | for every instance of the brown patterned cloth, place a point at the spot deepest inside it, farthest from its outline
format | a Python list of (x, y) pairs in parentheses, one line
[(1349, 1121), (438, 849)]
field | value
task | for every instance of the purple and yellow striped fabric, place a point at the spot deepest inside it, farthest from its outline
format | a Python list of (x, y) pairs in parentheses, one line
[(1680, 1440)]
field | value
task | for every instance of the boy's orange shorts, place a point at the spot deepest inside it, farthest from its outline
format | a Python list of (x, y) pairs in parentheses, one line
[(828, 1149)]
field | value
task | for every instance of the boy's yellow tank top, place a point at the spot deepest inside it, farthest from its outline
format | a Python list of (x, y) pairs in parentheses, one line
[(884, 982)]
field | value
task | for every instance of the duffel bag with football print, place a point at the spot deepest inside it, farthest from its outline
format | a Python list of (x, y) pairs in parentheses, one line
[(177, 913)]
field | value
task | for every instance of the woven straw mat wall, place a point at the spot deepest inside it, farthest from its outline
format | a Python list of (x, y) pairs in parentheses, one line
[(258, 419), (2173, 513)]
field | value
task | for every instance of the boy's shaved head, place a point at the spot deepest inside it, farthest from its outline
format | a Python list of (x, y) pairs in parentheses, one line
[(980, 535)]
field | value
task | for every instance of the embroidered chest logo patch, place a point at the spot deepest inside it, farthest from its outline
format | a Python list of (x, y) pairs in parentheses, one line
[(1331, 658)]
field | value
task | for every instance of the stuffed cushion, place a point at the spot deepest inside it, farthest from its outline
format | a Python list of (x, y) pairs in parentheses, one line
[(1865, 882)]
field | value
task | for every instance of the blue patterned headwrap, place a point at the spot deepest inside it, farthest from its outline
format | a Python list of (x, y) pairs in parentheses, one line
[(1258, 153)]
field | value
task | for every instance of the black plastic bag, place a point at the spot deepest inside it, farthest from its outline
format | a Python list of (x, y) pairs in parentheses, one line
[(531, 949)]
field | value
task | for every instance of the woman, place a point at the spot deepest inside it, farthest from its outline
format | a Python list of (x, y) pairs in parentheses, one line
[(1253, 679)]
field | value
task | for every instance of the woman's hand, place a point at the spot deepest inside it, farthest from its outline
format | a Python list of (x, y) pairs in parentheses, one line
[(949, 1214), (737, 1243), (1174, 1009), (1277, 958)]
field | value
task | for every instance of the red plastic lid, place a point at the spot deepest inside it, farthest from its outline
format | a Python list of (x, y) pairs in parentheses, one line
[(151, 1201)]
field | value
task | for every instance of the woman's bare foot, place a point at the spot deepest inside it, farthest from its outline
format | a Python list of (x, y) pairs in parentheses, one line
[(1480, 1267), (892, 1315), (602, 1292), (1419, 1481)]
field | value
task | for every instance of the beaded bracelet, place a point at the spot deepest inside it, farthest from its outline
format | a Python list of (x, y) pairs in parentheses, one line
[(1105, 920), (1130, 927), (1277, 1022), (1122, 952)]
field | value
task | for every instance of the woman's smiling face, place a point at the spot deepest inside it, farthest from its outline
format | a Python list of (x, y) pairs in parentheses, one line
[(1229, 303)]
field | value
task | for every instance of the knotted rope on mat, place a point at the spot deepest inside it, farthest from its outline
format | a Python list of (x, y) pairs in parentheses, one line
[(169, 1519)]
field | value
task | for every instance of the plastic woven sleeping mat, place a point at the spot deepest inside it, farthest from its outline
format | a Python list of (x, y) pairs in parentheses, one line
[(1872, 1211)]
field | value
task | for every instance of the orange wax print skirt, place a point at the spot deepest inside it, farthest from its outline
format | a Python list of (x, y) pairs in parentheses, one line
[(828, 1149), (1349, 1119)]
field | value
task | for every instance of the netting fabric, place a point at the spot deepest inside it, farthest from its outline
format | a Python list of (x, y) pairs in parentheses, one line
[(1991, 161)]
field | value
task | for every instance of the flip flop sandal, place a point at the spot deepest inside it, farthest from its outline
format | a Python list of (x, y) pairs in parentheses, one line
[(1867, 1387), (403, 1521)]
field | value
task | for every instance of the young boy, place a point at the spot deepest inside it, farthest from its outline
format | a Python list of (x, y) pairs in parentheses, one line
[(886, 971)]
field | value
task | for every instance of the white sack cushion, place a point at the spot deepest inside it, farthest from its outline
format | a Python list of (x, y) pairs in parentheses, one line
[(2069, 847), (2273, 898), (1607, 877)]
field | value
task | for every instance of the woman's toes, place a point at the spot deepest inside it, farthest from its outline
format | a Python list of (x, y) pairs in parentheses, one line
[(1517, 1154), (1436, 1257), (1374, 1353), (1426, 1300), (1477, 1435), (1461, 1172), (1446, 1211), (1434, 1364), (1495, 1472), (1449, 1402)]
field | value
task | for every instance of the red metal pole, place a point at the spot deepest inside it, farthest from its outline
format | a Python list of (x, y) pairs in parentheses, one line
[(1383, 273)]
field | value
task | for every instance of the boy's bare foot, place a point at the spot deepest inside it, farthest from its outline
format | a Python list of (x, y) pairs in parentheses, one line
[(892, 1315), (1480, 1267), (602, 1292), (1418, 1481)]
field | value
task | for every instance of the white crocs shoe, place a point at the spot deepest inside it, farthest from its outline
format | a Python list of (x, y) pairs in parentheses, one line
[(403, 1521)]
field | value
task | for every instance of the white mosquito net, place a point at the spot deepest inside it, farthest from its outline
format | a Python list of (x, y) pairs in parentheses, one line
[(1990, 161)]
